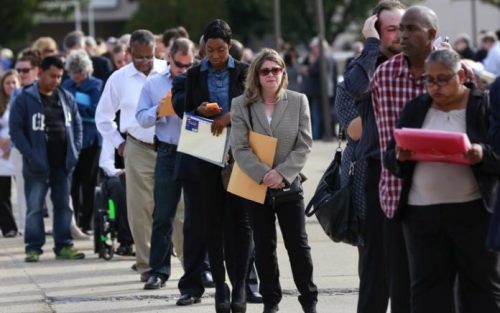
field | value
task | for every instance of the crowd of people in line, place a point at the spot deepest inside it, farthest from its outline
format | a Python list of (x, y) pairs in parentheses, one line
[(92, 116)]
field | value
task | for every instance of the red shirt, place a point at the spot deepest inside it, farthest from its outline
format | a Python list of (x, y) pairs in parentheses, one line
[(393, 86)]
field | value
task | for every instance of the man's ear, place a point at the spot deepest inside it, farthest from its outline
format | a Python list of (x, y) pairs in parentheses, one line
[(432, 34)]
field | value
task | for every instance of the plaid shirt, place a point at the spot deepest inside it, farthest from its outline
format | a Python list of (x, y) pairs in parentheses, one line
[(393, 86)]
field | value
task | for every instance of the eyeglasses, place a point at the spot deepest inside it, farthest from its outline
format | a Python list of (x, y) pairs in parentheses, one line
[(275, 71), (439, 81), (143, 59), (24, 70), (181, 65)]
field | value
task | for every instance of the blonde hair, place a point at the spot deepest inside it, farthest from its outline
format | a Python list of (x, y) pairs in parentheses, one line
[(252, 83), (43, 44)]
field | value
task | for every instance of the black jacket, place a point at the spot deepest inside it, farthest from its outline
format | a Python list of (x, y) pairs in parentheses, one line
[(477, 124)]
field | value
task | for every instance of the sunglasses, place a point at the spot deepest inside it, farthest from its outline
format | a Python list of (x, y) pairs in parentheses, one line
[(275, 71), (182, 65), (24, 70)]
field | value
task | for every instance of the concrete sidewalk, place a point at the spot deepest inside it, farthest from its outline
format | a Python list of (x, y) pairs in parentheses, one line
[(95, 285)]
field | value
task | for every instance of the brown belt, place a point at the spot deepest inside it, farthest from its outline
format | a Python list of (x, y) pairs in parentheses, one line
[(147, 144)]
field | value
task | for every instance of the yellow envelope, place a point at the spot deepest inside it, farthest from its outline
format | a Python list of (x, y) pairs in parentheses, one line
[(240, 183), (166, 107)]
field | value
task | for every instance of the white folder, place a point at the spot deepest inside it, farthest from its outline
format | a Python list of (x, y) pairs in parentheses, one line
[(196, 139)]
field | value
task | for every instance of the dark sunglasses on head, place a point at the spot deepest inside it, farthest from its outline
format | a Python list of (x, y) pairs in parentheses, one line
[(182, 65), (275, 71), (24, 70)]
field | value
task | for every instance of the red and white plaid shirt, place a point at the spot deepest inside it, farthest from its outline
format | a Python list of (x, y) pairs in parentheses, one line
[(393, 86)]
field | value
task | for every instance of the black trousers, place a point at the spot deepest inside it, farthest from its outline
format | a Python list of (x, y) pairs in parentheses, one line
[(226, 217), (446, 243), (115, 188), (195, 243), (83, 185), (383, 263), (291, 219), (7, 221)]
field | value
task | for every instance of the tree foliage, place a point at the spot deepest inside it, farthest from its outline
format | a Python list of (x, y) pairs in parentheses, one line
[(492, 2)]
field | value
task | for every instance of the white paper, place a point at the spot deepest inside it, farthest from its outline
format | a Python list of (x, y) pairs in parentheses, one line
[(196, 139)]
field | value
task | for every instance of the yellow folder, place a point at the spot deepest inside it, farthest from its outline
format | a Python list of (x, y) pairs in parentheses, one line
[(240, 183), (166, 107)]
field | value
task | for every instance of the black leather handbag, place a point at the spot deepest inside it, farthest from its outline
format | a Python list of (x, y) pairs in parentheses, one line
[(291, 193), (333, 206)]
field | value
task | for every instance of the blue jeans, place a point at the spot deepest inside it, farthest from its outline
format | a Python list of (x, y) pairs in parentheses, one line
[(36, 188), (167, 192)]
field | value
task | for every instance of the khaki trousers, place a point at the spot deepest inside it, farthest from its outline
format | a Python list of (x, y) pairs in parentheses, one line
[(139, 170), (177, 234)]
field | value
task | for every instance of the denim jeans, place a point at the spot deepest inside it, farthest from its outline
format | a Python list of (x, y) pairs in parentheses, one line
[(167, 192), (36, 188)]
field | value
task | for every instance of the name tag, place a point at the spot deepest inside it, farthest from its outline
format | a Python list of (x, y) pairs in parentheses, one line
[(82, 99), (192, 124)]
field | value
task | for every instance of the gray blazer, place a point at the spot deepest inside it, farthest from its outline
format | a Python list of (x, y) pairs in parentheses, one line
[(291, 124)]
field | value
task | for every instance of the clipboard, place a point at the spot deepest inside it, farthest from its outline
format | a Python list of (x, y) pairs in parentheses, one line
[(240, 183), (434, 145), (196, 139), (165, 107)]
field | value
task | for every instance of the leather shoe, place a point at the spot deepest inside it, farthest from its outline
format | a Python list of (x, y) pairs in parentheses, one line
[(310, 308), (187, 299), (270, 308), (207, 279), (144, 276), (253, 296), (154, 282)]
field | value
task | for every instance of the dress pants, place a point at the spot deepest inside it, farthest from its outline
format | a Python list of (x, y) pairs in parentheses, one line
[(140, 162), (7, 222), (291, 219), (83, 185), (194, 251), (383, 264), (226, 216), (446, 244)]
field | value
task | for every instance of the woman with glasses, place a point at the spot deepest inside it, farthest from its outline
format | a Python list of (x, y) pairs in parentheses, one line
[(268, 108), (446, 207)]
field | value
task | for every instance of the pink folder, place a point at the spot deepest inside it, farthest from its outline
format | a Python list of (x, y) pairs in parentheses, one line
[(434, 145)]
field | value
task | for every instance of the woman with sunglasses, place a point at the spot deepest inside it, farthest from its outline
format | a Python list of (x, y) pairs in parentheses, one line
[(268, 108), (446, 207)]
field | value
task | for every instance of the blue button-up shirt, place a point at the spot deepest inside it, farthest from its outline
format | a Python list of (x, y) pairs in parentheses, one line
[(167, 129), (218, 83)]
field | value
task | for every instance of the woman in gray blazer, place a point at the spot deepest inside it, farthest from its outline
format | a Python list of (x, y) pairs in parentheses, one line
[(268, 108)]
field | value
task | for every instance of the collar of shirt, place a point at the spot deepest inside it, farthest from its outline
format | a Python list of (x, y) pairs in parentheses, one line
[(206, 66), (158, 67)]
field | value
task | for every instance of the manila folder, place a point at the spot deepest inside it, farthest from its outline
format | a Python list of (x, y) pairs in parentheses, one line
[(240, 183), (166, 107)]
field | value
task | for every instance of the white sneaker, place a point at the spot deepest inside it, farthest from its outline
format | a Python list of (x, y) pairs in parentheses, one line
[(77, 233)]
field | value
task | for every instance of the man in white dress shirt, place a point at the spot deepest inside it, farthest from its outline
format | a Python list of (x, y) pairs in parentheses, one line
[(122, 93)]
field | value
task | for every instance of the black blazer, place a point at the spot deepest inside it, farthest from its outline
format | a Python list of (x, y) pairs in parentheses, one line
[(197, 85), (477, 124)]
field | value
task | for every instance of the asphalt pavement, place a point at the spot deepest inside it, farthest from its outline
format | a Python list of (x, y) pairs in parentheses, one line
[(95, 285)]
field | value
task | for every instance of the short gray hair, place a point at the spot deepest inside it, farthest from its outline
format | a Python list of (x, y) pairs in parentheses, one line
[(74, 40), (447, 57), (79, 61), (142, 37), (182, 45)]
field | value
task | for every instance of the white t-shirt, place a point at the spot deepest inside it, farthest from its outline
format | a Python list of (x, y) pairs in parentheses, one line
[(438, 183)]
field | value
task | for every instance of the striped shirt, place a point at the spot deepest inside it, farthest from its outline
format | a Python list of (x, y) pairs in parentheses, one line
[(393, 86)]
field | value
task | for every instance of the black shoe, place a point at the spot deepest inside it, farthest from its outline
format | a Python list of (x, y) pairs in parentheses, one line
[(310, 308), (154, 282), (270, 308), (207, 279), (238, 300), (187, 299), (10, 234), (125, 250), (253, 296), (222, 304)]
